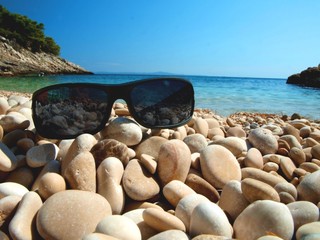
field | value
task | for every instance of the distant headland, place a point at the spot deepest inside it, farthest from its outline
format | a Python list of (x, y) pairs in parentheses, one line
[(309, 77)]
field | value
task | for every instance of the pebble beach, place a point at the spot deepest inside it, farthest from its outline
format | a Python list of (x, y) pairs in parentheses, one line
[(244, 176)]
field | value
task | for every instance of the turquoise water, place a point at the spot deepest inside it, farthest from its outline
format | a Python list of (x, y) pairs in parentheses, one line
[(224, 95)]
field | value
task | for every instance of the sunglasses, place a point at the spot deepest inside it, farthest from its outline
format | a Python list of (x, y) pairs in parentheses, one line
[(67, 110)]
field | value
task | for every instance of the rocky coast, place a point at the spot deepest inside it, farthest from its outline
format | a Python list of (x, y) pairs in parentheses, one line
[(245, 176)]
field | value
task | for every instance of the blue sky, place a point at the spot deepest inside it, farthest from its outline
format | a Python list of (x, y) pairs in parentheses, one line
[(247, 38)]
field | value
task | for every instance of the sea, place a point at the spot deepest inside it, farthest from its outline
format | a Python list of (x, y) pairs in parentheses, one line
[(223, 95)]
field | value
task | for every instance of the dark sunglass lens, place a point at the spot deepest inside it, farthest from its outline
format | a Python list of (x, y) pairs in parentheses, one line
[(163, 102), (67, 111)]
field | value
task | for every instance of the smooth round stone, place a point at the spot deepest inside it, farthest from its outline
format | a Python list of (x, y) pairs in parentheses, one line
[(315, 151), (309, 167), (170, 234), (260, 175), (286, 187), (264, 216), (82, 143), (212, 122), (110, 148), (185, 207), (297, 155), (119, 226), (64, 146), (291, 130), (309, 231), (149, 163), (303, 212), (8, 207), (150, 146), (25, 144), (123, 130), (286, 198), (287, 166), (51, 183), (269, 237), (291, 140), (234, 144), (137, 216), (40, 155), (254, 190), (175, 190), (1, 132), (22, 225), (270, 166), (315, 135), (253, 158), (263, 140), (4, 236), (52, 166), (236, 132), (207, 217), (232, 200), (161, 220), (219, 165), (81, 172), (8, 161), (309, 188), (210, 237), (12, 188), (305, 131), (174, 161), (195, 142), (201, 126), (14, 120), (109, 176), (56, 218), (98, 236), (201, 186), (216, 131), (138, 183)]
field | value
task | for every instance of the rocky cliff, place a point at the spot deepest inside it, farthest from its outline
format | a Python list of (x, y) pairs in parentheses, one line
[(15, 60), (309, 77)]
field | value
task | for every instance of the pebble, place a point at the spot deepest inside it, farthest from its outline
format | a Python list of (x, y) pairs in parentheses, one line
[(56, 218), (234, 144), (175, 190), (195, 142), (263, 140), (119, 226), (123, 130), (150, 146), (138, 183), (40, 155), (13, 121), (12, 189), (309, 231), (174, 161), (8, 160), (254, 190), (219, 165), (264, 216), (170, 234), (215, 223), (253, 158), (8, 207), (51, 183), (309, 188)]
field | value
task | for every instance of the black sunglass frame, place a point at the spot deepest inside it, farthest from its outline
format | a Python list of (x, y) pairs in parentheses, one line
[(114, 92)]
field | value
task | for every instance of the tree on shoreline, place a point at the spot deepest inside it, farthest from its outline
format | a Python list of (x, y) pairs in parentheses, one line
[(26, 32)]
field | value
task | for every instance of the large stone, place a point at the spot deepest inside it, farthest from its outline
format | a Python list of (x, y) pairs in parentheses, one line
[(264, 216), (150, 146), (309, 231), (254, 190), (219, 165), (71, 214), (174, 161), (196, 142), (309, 188), (263, 140), (138, 183), (120, 227), (207, 217), (124, 130)]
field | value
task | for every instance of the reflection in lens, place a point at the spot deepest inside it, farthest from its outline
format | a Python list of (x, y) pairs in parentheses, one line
[(70, 110), (163, 102)]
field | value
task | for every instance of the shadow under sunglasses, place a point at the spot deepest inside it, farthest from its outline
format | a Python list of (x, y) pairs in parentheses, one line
[(65, 111)]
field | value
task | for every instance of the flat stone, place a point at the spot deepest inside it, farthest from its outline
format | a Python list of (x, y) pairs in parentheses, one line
[(123, 130), (174, 161), (161, 220), (71, 214), (120, 227), (207, 217), (309, 188), (263, 140), (254, 190), (40, 155), (264, 216), (109, 176), (138, 183), (303, 212), (232, 200), (219, 165)]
